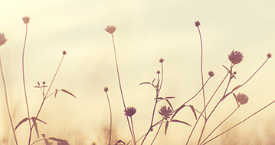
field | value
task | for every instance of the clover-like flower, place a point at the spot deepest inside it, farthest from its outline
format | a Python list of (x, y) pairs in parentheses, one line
[(235, 57), (3, 39), (110, 29), (211, 73), (26, 19), (242, 98), (165, 112), (130, 111), (197, 23)]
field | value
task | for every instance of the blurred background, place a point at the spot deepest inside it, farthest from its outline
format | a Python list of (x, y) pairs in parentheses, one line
[(146, 31)]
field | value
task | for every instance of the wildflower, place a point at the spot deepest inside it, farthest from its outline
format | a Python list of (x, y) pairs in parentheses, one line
[(165, 112), (211, 73), (130, 111), (161, 60), (26, 19), (3, 39), (235, 57), (110, 29), (269, 55), (64, 52), (197, 23), (242, 98), (158, 72), (106, 89)]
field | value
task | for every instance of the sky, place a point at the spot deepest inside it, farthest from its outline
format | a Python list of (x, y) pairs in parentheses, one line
[(146, 31)]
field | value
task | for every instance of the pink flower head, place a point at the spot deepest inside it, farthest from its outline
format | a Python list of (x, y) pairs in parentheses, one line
[(130, 111), (242, 98), (110, 29), (165, 112), (235, 57), (26, 19)]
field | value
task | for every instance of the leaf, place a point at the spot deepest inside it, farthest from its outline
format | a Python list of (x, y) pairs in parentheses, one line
[(177, 110), (237, 87), (145, 83), (41, 120), (166, 126), (236, 99), (68, 92), (22, 121), (37, 86), (194, 111), (56, 139), (179, 121), (170, 97), (35, 125), (169, 104), (227, 69), (153, 80), (55, 93), (160, 98), (120, 141)]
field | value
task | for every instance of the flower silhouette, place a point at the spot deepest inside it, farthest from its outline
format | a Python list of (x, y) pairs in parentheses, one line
[(26, 19), (197, 23), (211, 73), (110, 29), (165, 112), (269, 55), (130, 111), (235, 57), (3, 39), (242, 98)]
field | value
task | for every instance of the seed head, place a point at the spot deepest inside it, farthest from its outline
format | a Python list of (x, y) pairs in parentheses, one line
[(106, 89), (3, 39), (161, 60), (130, 111), (242, 98), (269, 55), (211, 73), (158, 72), (110, 29), (64, 52), (235, 57), (165, 112), (26, 19), (197, 23)]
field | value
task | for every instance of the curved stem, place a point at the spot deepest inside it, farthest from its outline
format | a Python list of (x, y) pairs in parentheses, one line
[(7, 102)]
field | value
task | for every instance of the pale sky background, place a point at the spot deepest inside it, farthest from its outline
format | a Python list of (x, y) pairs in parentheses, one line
[(147, 30)]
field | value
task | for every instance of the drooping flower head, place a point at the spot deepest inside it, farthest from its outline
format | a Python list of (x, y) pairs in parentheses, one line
[(242, 98), (3, 39), (130, 111), (110, 29), (26, 19), (165, 112), (235, 57), (197, 23)]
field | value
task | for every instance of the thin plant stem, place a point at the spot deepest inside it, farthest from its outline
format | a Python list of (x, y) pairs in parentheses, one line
[(110, 134), (45, 96), (202, 82), (220, 124), (241, 121), (24, 81), (120, 87), (7, 102), (134, 137), (204, 109), (157, 132)]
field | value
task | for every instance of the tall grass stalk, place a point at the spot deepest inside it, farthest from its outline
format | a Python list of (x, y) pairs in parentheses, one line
[(110, 133)]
